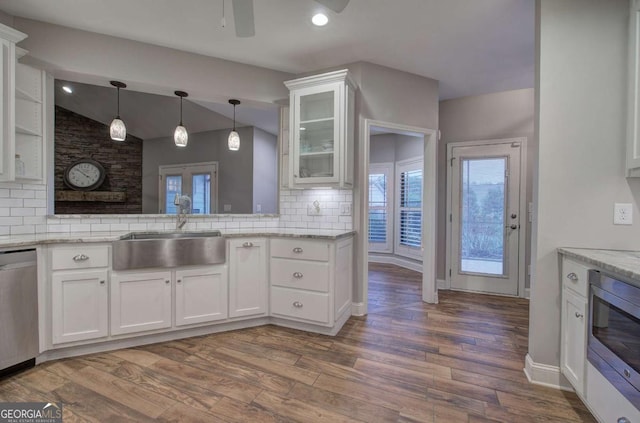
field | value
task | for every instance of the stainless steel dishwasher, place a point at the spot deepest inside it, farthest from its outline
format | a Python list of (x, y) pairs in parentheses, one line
[(18, 310)]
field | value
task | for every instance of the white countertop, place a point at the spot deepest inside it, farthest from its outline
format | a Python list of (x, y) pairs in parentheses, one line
[(622, 263), (32, 240)]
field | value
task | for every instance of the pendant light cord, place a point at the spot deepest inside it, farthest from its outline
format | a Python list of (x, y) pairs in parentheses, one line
[(234, 117), (118, 107), (181, 111)]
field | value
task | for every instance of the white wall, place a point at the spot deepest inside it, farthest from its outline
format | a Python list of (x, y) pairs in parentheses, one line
[(506, 114), (581, 129)]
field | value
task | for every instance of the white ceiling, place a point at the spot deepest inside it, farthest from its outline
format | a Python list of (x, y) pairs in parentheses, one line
[(471, 46)]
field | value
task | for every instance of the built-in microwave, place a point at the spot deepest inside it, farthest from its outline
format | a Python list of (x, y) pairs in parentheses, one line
[(614, 332)]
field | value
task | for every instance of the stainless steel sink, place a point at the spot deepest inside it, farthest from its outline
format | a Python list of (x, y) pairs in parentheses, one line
[(139, 250)]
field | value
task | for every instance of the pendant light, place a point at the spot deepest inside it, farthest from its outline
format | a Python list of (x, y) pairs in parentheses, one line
[(234, 138), (118, 130), (180, 136)]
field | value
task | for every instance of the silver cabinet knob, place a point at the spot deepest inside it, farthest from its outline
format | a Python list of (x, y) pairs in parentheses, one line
[(624, 420), (297, 275), (512, 226), (297, 304), (167, 281), (572, 277), (179, 280), (298, 250), (579, 315), (101, 282), (247, 244), (80, 257)]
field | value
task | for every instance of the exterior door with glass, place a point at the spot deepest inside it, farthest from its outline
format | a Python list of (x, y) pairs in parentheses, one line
[(485, 218), (197, 180)]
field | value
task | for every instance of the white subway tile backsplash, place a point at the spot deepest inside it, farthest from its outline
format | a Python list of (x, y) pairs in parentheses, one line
[(10, 221), (99, 227), (22, 193), (4, 192), (80, 227), (35, 203), (23, 211), (59, 228), (34, 220), (119, 227), (5, 230), (23, 229)]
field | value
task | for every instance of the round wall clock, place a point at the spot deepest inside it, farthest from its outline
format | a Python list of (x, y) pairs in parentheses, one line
[(84, 175)]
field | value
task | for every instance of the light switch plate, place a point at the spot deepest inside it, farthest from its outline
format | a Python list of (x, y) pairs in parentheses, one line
[(345, 209), (623, 214)]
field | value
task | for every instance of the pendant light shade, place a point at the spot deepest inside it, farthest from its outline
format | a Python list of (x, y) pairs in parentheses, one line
[(180, 135), (234, 137), (118, 129)]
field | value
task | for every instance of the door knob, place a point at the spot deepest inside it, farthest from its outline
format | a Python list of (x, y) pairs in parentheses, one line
[(513, 215), (514, 226)]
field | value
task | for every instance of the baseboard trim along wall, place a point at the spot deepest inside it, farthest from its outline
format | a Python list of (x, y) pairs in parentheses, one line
[(397, 260), (357, 309), (442, 284), (545, 375)]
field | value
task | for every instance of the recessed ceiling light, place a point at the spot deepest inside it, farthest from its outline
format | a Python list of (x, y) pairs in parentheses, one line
[(67, 89), (320, 19)]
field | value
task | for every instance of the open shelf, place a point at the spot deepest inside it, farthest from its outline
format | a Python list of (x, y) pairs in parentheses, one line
[(303, 122), (317, 154)]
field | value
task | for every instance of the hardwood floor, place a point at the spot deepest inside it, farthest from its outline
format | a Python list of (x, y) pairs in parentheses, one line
[(458, 361)]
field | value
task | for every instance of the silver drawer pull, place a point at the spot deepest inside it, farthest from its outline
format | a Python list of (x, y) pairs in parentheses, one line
[(179, 280), (624, 420), (101, 282), (298, 250), (167, 281), (572, 277), (247, 244), (297, 275), (297, 304), (579, 315), (80, 257)]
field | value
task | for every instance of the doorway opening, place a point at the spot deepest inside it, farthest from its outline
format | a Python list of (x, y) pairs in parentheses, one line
[(485, 202), (396, 203)]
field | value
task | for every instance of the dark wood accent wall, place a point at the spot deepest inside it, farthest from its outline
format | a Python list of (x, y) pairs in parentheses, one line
[(78, 137)]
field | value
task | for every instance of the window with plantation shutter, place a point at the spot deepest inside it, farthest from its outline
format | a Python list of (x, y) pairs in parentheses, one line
[(380, 207), (409, 220)]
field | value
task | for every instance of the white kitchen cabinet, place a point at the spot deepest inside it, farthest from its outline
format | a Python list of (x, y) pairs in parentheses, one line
[(79, 305), (201, 295), (140, 301), (321, 122), (311, 280), (31, 122), (8, 39), (248, 284), (573, 329), (283, 144), (633, 92)]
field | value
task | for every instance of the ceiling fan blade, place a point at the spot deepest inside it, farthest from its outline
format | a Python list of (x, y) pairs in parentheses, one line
[(243, 17), (335, 5)]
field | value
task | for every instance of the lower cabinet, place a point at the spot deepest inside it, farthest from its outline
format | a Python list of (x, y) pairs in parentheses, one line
[(201, 295), (574, 339), (248, 283), (140, 301), (79, 305)]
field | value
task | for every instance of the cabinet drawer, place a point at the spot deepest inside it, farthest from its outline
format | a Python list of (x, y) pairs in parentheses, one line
[(298, 304), (300, 249), (575, 276), (300, 274), (79, 257)]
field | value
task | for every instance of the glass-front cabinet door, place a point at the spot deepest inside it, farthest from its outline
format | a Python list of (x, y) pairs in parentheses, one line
[(320, 131)]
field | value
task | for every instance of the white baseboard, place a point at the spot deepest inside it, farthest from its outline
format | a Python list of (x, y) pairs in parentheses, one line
[(442, 284), (545, 375), (397, 260), (357, 309), (527, 293)]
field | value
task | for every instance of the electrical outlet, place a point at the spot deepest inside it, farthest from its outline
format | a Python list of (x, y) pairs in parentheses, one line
[(622, 214), (313, 209), (345, 209), (227, 207), (258, 208)]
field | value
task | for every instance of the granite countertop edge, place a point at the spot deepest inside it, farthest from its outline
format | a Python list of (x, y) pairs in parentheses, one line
[(33, 240), (619, 262)]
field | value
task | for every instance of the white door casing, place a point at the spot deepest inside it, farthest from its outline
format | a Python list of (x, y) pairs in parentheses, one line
[(485, 227)]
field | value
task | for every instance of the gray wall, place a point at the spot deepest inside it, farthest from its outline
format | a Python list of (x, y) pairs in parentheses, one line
[(506, 114), (94, 58), (265, 171), (581, 128), (235, 176), (382, 148)]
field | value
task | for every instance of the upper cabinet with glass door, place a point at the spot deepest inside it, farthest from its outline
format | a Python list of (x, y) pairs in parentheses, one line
[(321, 130)]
